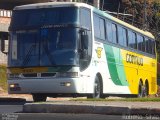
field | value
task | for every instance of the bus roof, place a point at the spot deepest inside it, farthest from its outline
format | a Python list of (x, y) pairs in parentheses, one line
[(51, 5), (68, 4)]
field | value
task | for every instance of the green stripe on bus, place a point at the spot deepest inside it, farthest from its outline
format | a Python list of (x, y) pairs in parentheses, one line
[(121, 71), (115, 65)]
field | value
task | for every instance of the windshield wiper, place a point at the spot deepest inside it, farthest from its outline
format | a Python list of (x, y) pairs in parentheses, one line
[(45, 47), (27, 58)]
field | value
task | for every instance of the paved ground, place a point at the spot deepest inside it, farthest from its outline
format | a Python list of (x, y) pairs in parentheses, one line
[(59, 116)]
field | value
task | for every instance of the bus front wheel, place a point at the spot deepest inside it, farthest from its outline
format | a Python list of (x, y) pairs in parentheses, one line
[(97, 89), (39, 97)]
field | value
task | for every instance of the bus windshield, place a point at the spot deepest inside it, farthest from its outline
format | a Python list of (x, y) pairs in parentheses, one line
[(45, 16), (43, 46)]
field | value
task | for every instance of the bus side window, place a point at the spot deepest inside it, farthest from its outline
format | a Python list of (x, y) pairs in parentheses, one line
[(140, 42), (99, 27), (85, 18), (122, 36), (111, 32), (153, 48), (114, 33), (132, 39), (102, 29), (96, 26), (149, 46), (143, 45)]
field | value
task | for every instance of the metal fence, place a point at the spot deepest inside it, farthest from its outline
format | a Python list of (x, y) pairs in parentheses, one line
[(5, 13)]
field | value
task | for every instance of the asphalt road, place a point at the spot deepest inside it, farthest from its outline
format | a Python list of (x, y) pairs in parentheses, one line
[(13, 111), (11, 107), (58, 116)]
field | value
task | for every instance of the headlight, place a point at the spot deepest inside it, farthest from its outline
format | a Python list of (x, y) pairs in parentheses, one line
[(67, 74)]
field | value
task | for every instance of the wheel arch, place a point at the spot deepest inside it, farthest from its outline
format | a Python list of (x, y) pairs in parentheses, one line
[(140, 80)]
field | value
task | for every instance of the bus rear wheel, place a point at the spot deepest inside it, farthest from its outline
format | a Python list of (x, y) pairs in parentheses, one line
[(146, 89), (142, 90), (39, 97)]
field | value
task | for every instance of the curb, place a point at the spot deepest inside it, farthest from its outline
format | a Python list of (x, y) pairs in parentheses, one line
[(88, 109)]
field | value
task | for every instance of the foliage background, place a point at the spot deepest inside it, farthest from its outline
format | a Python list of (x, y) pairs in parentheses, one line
[(3, 78)]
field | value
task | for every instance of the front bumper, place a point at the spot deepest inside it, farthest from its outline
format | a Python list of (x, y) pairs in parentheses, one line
[(43, 85)]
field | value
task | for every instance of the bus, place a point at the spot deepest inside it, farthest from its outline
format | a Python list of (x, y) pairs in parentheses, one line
[(69, 49)]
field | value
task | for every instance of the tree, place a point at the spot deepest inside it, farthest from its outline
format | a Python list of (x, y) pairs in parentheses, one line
[(138, 7)]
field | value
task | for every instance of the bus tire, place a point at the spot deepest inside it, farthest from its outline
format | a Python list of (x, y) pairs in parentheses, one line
[(39, 97), (146, 92), (141, 90), (97, 89)]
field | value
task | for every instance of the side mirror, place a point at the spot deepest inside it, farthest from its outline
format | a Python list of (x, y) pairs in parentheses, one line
[(3, 46), (2, 42), (84, 41)]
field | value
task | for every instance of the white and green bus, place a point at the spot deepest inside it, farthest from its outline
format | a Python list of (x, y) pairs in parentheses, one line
[(73, 49)]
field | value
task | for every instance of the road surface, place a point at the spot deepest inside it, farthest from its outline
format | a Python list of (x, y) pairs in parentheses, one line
[(13, 111)]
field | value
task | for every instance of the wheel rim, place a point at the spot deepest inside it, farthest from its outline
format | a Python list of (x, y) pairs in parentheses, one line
[(146, 90), (140, 93), (97, 89)]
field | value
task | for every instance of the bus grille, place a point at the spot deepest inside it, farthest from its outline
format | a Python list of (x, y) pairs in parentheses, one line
[(31, 75), (38, 75)]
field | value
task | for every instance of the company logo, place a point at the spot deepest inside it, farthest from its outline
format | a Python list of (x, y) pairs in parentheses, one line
[(134, 59), (99, 52)]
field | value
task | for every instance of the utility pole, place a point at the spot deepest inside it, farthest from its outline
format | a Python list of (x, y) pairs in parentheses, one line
[(97, 3), (145, 16)]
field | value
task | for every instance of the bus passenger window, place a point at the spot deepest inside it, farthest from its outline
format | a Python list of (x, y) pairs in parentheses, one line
[(99, 27), (122, 36), (153, 47), (114, 33), (102, 29), (132, 39), (141, 43), (149, 45), (96, 26), (111, 32)]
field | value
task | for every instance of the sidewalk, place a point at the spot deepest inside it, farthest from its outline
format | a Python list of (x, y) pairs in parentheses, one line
[(108, 107)]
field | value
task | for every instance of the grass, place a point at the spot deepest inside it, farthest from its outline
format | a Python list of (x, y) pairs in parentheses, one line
[(3, 77), (156, 99)]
